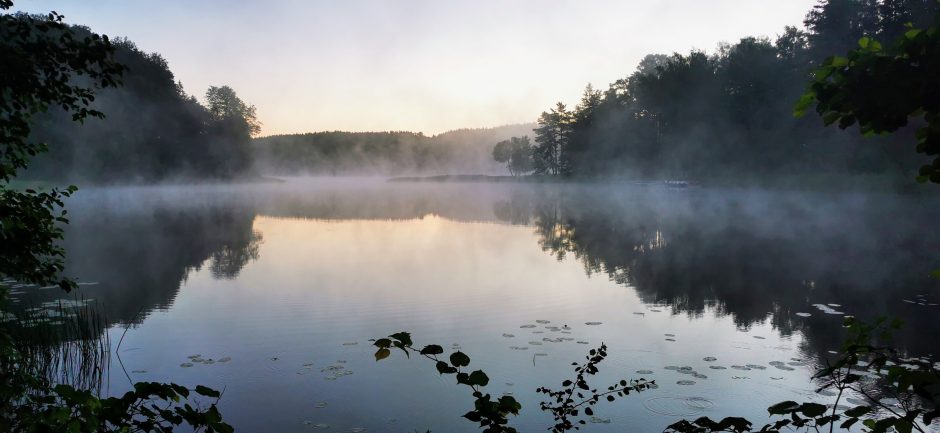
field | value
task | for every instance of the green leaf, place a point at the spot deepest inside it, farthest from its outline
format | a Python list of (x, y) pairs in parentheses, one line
[(208, 392), (443, 368), (382, 354), (839, 62), (783, 408), (459, 359), (812, 409), (432, 349), (403, 337), (478, 378)]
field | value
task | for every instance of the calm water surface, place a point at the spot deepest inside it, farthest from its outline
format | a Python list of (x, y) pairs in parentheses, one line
[(284, 284)]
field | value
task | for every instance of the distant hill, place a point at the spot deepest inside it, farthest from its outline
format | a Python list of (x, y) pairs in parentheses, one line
[(462, 151)]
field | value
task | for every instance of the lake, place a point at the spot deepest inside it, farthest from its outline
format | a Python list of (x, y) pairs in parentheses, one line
[(282, 286)]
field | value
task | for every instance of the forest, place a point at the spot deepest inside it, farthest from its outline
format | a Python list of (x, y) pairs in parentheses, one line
[(385, 153), (728, 115), (152, 130), (724, 116)]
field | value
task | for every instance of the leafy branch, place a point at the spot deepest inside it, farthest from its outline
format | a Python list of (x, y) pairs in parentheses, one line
[(566, 406), (913, 381), (491, 414)]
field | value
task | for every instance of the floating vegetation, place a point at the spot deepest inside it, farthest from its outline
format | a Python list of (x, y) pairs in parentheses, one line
[(717, 367), (541, 354), (644, 372), (826, 309), (804, 314), (518, 347), (593, 323), (685, 382), (756, 367), (740, 367), (351, 343), (357, 429), (759, 337), (598, 420), (583, 342), (673, 367), (639, 313), (535, 343), (538, 332), (671, 339), (553, 340), (677, 406), (709, 359), (543, 321), (698, 375), (186, 364), (225, 359), (508, 335), (856, 401), (335, 371), (138, 371), (527, 326), (670, 335), (781, 366)]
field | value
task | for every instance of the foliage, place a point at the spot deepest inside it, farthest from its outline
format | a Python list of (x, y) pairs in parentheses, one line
[(882, 88), (154, 130), (565, 404), (562, 403), (40, 57), (492, 415), (516, 153), (390, 152), (726, 115), (31, 404), (551, 138), (48, 64), (866, 367)]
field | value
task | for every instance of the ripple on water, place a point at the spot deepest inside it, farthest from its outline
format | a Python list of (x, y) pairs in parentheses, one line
[(678, 406)]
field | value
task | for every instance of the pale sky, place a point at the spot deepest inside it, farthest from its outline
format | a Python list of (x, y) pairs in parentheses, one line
[(427, 66)]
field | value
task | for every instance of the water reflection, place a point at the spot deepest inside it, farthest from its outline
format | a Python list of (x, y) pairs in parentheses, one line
[(283, 281), (751, 255)]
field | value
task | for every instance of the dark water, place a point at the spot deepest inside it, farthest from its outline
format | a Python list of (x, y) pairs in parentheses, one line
[(282, 286)]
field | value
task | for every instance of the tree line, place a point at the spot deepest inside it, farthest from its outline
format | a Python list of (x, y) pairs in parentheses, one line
[(729, 114), (153, 129), (388, 152)]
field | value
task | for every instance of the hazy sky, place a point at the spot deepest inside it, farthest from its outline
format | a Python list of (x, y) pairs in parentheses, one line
[(426, 66)]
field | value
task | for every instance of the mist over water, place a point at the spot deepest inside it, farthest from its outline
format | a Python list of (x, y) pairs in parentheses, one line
[(287, 282)]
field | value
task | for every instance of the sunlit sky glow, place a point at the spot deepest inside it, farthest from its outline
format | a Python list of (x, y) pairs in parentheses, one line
[(426, 66)]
